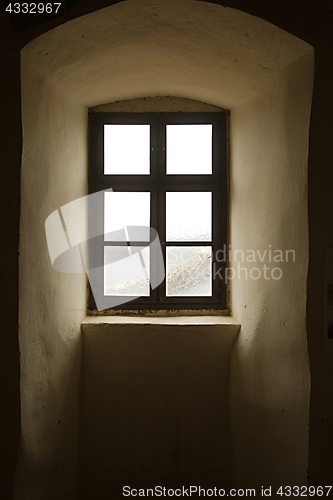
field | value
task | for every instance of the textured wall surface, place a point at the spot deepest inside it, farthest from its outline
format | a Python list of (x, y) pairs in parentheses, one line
[(155, 406), (52, 305), (270, 370), (143, 48)]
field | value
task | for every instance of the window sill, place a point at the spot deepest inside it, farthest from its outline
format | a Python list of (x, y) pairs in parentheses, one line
[(224, 321)]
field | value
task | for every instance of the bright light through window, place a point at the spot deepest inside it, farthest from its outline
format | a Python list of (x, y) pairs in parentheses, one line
[(131, 279), (188, 271), (189, 149), (126, 149), (126, 209), (188, 216)]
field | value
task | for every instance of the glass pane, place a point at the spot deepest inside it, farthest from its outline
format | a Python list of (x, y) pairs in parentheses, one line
[(126, 271), (189, 149), (189, 216), (127, 149), (189, 271), (126, 209)]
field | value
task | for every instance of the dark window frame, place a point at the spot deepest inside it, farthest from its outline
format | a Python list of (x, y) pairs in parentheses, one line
[(158, 183)]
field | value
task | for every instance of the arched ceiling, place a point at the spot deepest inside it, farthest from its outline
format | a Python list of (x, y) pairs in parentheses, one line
[(184, 48)]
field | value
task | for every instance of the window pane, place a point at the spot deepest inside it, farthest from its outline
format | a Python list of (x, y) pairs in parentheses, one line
[(189, 149), (127, 149), (189, 216), (189, 271), (126, 271), (126, 209)]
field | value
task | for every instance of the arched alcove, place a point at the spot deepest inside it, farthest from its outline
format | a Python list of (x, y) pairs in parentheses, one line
[(222, 57)]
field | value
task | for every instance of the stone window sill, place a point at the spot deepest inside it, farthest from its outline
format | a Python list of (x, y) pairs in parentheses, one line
[(227, 322)]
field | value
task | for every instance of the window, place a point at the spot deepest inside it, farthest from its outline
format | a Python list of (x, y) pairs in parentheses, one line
[(167, 171)]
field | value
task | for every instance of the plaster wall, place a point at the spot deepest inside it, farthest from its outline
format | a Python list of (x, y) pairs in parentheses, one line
[(52, 305), (270, 373), (101, 58), (155, 408)]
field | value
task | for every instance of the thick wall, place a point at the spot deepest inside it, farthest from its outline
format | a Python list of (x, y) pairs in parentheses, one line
[(218, 56), (52, 305), (270, 372), (155, 405)]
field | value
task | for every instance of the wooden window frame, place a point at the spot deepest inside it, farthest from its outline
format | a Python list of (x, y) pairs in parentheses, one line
[(158, 183)]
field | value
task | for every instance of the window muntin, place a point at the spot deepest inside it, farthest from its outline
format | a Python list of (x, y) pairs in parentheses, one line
[(182, 196)]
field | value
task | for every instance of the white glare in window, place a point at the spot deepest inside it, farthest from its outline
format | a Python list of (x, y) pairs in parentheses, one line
[(188, 216), (188, 149), (189, 271), (126, 271), (127, 149), (122, 209)]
